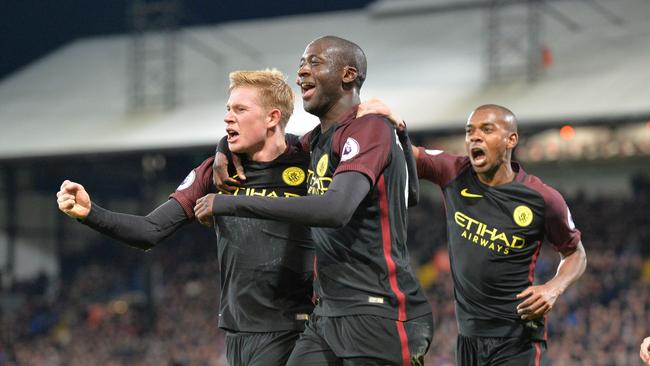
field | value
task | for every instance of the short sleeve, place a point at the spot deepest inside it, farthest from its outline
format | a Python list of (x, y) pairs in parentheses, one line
[(364, 146), (560, 230), (197, 184), (439, 167)]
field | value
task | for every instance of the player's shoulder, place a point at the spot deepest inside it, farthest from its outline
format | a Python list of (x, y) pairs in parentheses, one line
[(206, 164), (551, 195), (440, 157), (369, 124), (370, 120), (442, 154), (199, 177)]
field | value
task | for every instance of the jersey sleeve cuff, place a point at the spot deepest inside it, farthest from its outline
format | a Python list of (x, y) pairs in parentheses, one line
[(185, 204), (358, 168)]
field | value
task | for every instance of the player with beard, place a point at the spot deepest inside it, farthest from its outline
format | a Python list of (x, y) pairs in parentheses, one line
[(370, 309)]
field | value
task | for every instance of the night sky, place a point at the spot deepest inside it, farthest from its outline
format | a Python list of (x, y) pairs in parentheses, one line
[(30, 29)]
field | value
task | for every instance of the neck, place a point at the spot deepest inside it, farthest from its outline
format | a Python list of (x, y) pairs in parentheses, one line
[(274, 145), (344, 104), (501, 174)]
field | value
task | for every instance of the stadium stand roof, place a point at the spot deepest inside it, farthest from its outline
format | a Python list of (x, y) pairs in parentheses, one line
[(428, 67)]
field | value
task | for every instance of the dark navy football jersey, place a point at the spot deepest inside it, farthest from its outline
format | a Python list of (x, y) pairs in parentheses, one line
[(266, 266), (363, 267), (495, 235)]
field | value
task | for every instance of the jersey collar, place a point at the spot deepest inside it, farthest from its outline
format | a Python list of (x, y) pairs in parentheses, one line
[(520, 176), (348, 116)]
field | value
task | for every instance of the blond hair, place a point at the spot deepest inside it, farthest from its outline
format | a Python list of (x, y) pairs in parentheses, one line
[(272, 88)]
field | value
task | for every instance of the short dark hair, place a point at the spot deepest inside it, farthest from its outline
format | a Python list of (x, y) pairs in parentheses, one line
[(349, 54), (508, 116)]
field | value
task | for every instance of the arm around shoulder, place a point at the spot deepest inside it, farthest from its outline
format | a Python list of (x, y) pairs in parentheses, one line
[(332, 209)]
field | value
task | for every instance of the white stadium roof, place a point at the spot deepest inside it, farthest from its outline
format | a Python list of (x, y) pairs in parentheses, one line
[(427, 67)]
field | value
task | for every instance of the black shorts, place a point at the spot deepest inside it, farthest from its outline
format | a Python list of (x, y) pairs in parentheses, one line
[(363, 340), (488, 351), (260, 349)]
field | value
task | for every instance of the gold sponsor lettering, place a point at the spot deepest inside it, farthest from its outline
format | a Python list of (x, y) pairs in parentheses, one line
[(318, 185), (261, 192), (500, 236), (479, 233), (256, 192), (517, 242)]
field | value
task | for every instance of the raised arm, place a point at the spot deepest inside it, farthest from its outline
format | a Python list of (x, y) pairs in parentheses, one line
[(141, 232)]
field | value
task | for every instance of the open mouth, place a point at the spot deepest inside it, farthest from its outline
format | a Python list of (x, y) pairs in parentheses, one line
[(307, 89), (478, 156), (232, 134)]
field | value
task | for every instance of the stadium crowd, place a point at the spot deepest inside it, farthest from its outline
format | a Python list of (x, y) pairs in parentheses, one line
[(98, 313)]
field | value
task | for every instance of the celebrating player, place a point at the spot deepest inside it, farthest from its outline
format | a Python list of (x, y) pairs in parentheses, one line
[(497, 217), (266, 266), (370, 309)]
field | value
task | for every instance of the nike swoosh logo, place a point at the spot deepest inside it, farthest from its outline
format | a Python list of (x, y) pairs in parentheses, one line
[(464, 193)]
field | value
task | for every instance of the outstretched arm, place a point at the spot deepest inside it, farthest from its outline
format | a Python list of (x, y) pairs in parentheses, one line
[(539, 300), (333, 209), (141, 232)]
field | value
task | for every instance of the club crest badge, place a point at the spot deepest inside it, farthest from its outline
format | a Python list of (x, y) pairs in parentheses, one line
[(523, 216), (293, 176)]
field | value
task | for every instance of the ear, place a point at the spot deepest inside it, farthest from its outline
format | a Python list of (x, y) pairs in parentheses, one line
[(512, 140), (273, 118), (350, 74)]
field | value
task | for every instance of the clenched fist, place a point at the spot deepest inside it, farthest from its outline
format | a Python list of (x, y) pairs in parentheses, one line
[(73, 200)]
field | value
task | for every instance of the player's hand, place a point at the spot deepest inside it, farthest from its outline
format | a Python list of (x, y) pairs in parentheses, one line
[(73, 200), (645, 351), (539, 300), (376, 106), (220, 177), (203, 209)]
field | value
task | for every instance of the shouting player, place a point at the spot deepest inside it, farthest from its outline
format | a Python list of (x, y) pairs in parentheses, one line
[(497, 218), (266, 266), (370, 309)]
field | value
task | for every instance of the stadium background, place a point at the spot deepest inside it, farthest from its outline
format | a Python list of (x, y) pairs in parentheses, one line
[(126, 97)]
